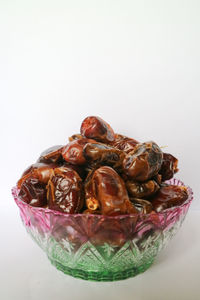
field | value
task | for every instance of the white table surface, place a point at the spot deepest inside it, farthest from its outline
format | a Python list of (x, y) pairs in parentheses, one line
[(27, 274)]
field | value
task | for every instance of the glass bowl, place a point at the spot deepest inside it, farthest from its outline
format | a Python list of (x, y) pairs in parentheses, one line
[(102, 248)]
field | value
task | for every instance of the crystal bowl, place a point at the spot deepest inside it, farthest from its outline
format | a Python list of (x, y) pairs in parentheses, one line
[(102, 248)]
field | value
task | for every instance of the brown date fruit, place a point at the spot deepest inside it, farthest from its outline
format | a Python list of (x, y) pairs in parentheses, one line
[(33, 167), (169, 196), (75, 137), (143, 206), (33, 192), (108, 188), (143, 162), (51, 155), (101, 154), (89, 186), (124, 143), (78, 168), (73, 151), (157, 178), (169, 166), (64, 191), (142, 189), (41, 171), (96, 128)]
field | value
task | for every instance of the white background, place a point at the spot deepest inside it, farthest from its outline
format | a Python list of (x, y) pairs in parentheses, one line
[(134, 63)]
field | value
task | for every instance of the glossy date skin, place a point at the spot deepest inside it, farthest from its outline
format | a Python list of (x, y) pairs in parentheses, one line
[(142, 189), (169, 196), (142, 205), (64, 191), (143, 162), (157, 178), (51, 155), (75, 137), (73, 151), (117, 173), (169, 166), (41, 171), (124, 143), (96, 128), (99, 154), (108, 188), (33, 192), (89, 188), (81, 171)]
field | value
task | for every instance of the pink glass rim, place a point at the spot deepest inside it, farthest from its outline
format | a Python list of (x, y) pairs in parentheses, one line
[(174, 181)]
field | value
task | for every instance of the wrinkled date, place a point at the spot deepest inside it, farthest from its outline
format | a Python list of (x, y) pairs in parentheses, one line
[(51, 155), (33, 192), (142, 189), (124, 143), (142, 206), (169, 166), (78, 168), (73, 152), (109, 190), (96, 128), (144, 162), (169, 196), (64, 191), (41, 171), (82, 176), (98, 154)]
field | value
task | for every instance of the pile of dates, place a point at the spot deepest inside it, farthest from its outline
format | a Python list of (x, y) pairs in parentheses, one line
[(102, 172)]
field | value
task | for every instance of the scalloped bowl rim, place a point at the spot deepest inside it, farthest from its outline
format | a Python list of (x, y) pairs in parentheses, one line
[(15, 192)]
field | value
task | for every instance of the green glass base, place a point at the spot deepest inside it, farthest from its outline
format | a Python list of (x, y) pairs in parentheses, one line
[(101, 276), (98, 247)]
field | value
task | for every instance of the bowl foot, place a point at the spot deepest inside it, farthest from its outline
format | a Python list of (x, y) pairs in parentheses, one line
[(104, 275)]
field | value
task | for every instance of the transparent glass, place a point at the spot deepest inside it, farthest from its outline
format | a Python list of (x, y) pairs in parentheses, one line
[(102, 248)]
